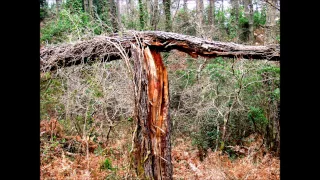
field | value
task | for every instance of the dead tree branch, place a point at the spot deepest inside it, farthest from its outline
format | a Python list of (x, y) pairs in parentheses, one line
[(102, 48)]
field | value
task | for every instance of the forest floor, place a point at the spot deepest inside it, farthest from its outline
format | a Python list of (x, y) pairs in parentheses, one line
[(73, 157)]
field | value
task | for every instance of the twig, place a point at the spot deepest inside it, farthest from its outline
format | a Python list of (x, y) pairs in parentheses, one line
[(272, 5), (258, 81)]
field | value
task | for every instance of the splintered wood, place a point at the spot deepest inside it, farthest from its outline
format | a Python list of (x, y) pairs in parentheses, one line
[(152, 139)]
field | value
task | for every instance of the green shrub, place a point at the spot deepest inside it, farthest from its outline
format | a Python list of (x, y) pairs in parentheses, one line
[(259, 18), (256, 114), (43, 9), (75, 6), (107, 164)]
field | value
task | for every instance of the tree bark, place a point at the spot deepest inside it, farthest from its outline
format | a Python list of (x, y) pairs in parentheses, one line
[(85, 5), (185, 5), (90, 7), (58, 4), (131, 15), (167, 11), (235, 10), (211, 13), (118, 14), (152, 148), (141, 16), (199, 14), (100, 49), (130, 7), (201, 8), (235, 22), (270, 23), (113, 15), (148, 6), (155, 14), (250, 21), (248, 10)]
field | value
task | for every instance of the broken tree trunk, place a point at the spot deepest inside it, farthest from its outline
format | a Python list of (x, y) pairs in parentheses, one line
[(103, 48), (152, 148)]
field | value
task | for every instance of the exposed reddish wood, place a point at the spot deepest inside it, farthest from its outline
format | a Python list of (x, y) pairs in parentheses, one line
[(152, 139), (195, 46)]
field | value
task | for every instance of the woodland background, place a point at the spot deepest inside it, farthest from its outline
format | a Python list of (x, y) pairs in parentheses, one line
[(225, 112)]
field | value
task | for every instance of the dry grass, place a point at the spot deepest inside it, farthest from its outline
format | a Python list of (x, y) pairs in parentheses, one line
[(218, 166), (68, 153), (58, 163)]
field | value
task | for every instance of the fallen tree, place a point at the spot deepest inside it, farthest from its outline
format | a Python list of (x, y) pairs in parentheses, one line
[(151, 141), (103, 48)]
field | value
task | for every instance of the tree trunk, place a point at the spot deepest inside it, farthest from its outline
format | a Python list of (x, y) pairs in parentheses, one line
[(118, 14), (270, 23), (250, 21), (201, 8), (127, 8), (58, 4), (85, 5), (131, 15), (185, 5), (248, 28), (90, 10), (130, 7), (141, 15), (152, 147), (235, 10), (148, 6), (199, 21), (235, 22), (100, 7), (222, 9), (155, 14), (211, 13), (167, 11), (113, 15), (101, 49)]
